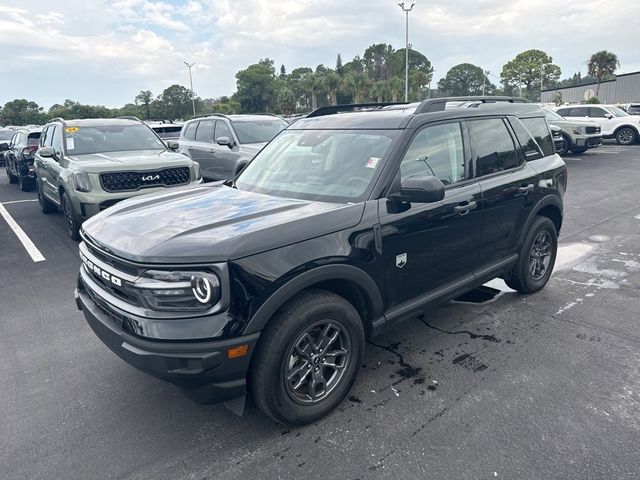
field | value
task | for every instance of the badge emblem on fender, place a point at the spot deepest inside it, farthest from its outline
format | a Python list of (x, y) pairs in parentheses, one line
[(401, 260)]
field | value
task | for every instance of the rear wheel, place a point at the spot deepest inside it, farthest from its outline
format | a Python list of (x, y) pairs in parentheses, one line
[(12, 178), (308, 358), (25, 183), (537, 257), (46, 206), (578, 150), (626, 136), (73, 226)]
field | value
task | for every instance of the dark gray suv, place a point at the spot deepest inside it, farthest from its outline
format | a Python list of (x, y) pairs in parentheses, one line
[(224, 144)]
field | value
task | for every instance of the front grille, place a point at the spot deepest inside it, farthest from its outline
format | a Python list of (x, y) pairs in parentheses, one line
[(130, 181), (592, 130)]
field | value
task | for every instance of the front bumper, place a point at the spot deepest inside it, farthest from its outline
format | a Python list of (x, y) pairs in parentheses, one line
[(591, 141), (202, 370)]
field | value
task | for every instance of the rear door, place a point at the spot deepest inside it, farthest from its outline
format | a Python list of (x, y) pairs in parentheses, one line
[(201, 149), (506, 181), (425, 246)]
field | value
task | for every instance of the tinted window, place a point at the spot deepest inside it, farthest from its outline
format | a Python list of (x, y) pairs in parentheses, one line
[(597, 112), (617, 112), (528, 144), (436, 151), (190, 131), (540, 131), (258, 131), (576, 112), (205, 131), (492, 146), (5, 135), (168, 132), (83, 140), (223, 130), (56, 141), (34, 138), (634, 109)]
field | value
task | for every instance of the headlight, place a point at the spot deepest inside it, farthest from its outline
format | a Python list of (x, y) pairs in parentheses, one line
[(81, 181), (196, 170), (576, 130), (178, 291)]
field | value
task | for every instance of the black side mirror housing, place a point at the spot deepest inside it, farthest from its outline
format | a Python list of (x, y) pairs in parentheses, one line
[(421, 189), (225, 141), (4, 147)]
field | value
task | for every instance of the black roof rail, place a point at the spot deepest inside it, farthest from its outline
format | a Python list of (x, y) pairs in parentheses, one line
[(57, 119), (439, 104), (333, 109), (208, 115), (129, 117)]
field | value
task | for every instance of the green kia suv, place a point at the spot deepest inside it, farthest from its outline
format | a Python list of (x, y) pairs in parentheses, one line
[(85, 166)]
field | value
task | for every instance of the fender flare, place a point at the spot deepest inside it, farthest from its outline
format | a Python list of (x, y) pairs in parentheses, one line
[(632, 127), (549, 200), (348, 273)]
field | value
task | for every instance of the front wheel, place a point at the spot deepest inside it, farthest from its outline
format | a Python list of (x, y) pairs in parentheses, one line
[(537, 257), (578, 150), (626, 136), (566, 144), (12, 178), (73, 226), (308, 358), (25, 183)]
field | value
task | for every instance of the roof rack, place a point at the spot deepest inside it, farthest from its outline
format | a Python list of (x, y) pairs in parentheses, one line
[(129, 117), (439, 104), (57, 119), (209, 115), (333, 109)]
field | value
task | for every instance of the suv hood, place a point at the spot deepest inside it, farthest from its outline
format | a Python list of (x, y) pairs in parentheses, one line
[(574, 123), (212, 223), (129, 160)]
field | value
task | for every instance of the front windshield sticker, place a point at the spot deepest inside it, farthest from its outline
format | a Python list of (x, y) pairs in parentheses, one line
[(70, 143), (373, 162), (71, 129)]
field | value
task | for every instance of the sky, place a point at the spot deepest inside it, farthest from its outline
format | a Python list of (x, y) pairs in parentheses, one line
[(105, 52)]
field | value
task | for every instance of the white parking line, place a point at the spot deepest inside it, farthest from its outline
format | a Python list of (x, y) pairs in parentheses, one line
[(20, 201), (28, 245)]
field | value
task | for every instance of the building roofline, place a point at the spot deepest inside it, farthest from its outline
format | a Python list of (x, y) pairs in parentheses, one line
[(592, 83)]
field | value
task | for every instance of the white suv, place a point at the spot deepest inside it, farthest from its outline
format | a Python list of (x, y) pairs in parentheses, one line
[(614, 122)]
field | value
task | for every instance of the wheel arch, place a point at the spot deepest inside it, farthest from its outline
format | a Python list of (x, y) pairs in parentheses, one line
[(550, 207), (632, 127), (349, 282)]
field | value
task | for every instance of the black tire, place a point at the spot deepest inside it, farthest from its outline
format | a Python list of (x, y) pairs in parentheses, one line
[(626, 136), (578, 150), (277, 355), (522, 278), (45, 205), (73, 226), (12, 178), (566, 145), (25, 183)]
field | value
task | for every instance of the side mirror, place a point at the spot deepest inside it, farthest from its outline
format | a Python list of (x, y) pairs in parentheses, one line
[(225, 141), (241, 166), (608, 115), (46, 152), (173, 145), (422, 189), (4, 147)]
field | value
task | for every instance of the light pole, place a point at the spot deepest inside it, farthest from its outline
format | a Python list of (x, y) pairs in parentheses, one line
[(484, 80), (193, 101), (542, 65), (406, 8)]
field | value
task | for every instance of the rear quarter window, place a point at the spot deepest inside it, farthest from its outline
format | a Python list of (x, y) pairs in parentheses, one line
[(539, 129), (34, 138), (190, 131)]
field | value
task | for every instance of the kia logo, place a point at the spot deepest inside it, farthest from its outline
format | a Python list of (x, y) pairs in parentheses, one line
[(150, 178)]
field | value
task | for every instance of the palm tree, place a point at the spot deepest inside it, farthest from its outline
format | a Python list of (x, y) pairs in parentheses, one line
[(396, 87), (359, 85), (601, 65), (380, 90)]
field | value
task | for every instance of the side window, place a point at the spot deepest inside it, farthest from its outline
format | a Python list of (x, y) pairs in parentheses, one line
[(492, 147), (563, 111), (577, 112), (13, 140), (205, 131), (597, 112), (190, 131), (436, 151), (223, 130), (528, 144), (43, 137), (56, 142), (539, 129)]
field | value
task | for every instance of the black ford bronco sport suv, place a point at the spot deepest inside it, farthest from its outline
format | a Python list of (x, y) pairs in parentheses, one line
[(344, 224)]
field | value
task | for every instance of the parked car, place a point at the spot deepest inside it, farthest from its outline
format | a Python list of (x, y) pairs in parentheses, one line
[(633, 109), (614, 122), (85, 166), (5, 138), (558, 140), (224, 144), (18, 159), (577, 135), (337, 230), (166, 130)]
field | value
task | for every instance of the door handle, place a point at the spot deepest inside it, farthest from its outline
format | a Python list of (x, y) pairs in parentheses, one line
[(211, 150), (465, 207), (526, 188)]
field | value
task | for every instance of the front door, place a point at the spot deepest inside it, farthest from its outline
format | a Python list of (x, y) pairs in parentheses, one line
[(201, 150), (425, 246), (225, 156)]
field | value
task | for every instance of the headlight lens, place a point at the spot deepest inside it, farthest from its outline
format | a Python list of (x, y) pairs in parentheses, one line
[(196, 170), (178, 291), (81, 181)]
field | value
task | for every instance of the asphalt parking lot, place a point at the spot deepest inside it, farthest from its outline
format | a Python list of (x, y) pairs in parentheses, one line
[(521, 387)]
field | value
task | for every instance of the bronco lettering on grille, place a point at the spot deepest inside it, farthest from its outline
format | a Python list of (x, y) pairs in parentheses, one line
[(100, 272)]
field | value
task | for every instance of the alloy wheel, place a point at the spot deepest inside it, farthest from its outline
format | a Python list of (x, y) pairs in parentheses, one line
[(316, 362), (625, 136), (540, 255)]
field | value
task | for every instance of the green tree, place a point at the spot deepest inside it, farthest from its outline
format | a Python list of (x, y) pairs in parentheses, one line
[(417, 61), (297, 82), (526, 68), (465, 79), (144, 99), (332, 84), (339, 67), (71, 109), (22, 112), (257, 87), (602, 65), (377, 60), (173, 103), (359, 85), (395, 87)]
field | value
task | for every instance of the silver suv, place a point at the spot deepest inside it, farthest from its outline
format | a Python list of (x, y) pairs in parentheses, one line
[(224, 144)]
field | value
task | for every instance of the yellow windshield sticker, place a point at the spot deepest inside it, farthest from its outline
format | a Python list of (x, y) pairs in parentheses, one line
[(71, 129)]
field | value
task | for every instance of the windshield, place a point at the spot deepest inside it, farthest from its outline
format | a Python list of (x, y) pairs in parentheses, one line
[(633, 109), (5, 135), (618, 112), (325, 165), (258, 131), (33, 139), (551, 115), (81, 140)]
